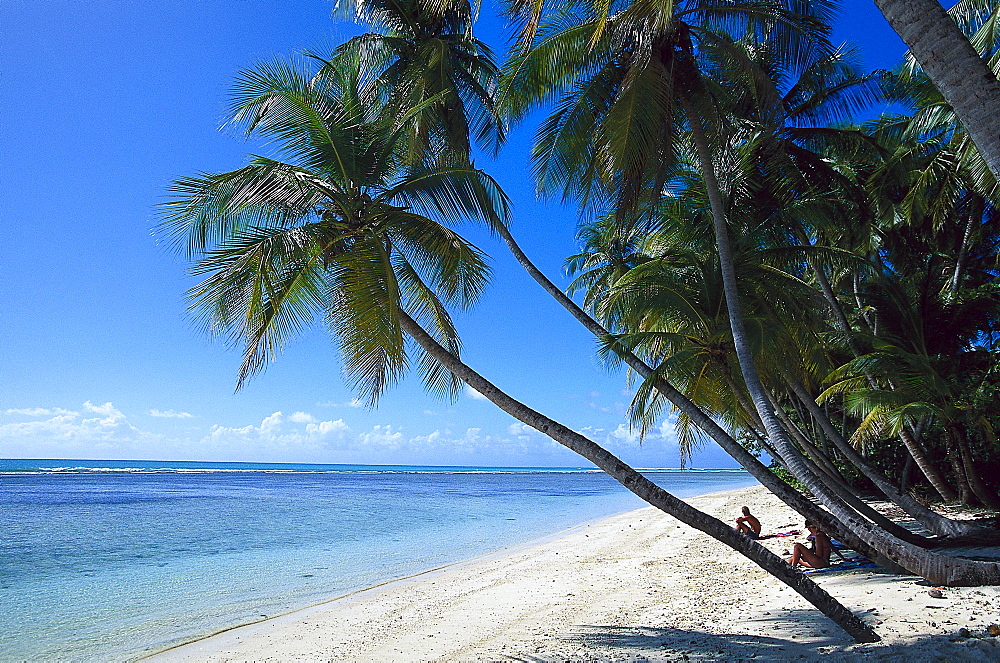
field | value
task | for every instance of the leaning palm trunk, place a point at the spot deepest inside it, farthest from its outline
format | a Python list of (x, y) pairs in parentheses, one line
[(936, 568), (926, 466), (930, 519), (643, 487), (779, 488), (976, 483), (914, 449), (957, 71), (836, 483)]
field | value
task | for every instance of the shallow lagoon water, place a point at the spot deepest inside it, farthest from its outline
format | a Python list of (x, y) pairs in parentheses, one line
[(103, 560)]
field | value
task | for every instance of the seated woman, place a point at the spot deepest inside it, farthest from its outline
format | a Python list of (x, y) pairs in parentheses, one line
[(818, 555), (748, 524)]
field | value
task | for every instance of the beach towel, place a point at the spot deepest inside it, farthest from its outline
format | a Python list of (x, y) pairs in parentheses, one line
[(794, 532)]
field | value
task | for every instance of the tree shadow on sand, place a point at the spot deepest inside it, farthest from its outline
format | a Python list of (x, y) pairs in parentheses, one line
[(795, 634)]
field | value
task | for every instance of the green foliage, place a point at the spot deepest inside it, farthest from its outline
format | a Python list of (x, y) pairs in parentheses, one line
[(341, 227)]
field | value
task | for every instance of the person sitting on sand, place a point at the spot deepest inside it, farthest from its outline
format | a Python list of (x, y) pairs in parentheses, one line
[(748, 524), (818, 555)]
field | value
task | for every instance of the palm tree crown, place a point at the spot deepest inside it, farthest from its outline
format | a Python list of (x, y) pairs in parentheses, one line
[(337, 227)]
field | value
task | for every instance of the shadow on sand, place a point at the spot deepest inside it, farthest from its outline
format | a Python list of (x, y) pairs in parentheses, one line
[(794, 635)]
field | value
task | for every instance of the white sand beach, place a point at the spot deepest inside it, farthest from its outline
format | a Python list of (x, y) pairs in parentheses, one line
[(636, 587)]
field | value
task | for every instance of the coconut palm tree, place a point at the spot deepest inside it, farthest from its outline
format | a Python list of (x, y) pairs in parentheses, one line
[(391, 56), (968, 84), (422, 50), (804, 197), (619, 75), (341, 227), (927, 387)]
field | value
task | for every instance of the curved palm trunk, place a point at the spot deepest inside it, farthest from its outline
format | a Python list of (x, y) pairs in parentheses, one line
[(821, 460), (975, 216), (838, 486), (916, 452), (932, 520), (976, 483), (779, 488), (645, 488), (839, 317), (957, 71), (926, 466), (936, 568)]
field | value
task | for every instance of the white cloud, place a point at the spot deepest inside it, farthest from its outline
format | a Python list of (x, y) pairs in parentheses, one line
[(170, 414), (100, 430), (107, 409), (473, 394), (381, 436), (67, 434), (279, 438), (626, 435), (517, 429), (325, 428), (40, 412)]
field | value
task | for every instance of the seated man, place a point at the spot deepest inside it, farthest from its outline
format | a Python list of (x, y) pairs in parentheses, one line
[(748, 524), (818, 555)]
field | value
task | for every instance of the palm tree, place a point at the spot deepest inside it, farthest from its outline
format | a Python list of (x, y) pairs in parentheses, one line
[(420, 51), (958, 71), (801, 194), (618, 75), (927, 387), (393, 54), (342, 229)]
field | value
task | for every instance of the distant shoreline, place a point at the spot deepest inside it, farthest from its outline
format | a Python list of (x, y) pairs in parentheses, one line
[(635, 584), (76, 465)]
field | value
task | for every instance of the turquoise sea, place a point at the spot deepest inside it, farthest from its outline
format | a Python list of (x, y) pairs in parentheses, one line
[(112, 560)]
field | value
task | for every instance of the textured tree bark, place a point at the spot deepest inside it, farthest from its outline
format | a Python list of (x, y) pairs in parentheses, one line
[(975, 217), (976, 483), (839, 487), (947, 57), (927, 467), (645, 488)]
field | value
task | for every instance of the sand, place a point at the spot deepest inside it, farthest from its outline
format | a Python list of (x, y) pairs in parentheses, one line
[(635, 587)]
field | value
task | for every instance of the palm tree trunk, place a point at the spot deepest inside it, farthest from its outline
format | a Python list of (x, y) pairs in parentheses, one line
[(932, 520), (645, 488), (790, 496), (955, 459), (930, 472), (979, 488), (947, 57), (926, 466), (839, 317), (904, 475), (870, 324), (825, 471), (933, 567), (739, 393), (975, 217)]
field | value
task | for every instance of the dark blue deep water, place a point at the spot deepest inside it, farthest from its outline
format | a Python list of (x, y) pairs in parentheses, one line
[(110, 560)]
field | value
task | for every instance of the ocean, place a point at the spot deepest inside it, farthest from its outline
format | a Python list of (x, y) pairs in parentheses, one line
[(114, 560)]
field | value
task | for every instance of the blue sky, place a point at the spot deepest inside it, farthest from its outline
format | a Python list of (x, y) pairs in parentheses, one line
[(103, 104)]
